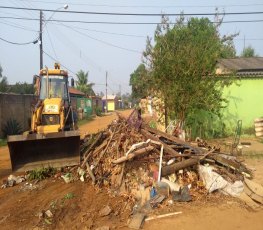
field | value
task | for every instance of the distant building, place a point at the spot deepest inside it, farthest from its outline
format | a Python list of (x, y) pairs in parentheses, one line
[(246, 93), (80, 102), (112, 102)]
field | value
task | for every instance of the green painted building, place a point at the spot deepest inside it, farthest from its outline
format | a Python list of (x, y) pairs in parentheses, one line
[(245, 95)]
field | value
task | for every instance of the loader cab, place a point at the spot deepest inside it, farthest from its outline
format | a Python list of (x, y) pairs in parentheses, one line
[(53, 86), (54, 83)]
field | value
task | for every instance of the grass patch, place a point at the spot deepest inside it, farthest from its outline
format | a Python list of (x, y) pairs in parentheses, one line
[(41, 174), (3, 142), (69, 196), (85, 120)]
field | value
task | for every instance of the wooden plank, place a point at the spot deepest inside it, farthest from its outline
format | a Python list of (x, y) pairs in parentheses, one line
[(173, 138), (136, 153), (169, 169), (167, 148)]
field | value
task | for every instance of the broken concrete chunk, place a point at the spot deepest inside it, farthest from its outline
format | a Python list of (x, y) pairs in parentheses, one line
[(49, 214), (105, 211)]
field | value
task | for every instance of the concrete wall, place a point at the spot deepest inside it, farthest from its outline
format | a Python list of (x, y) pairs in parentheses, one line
[(245, 102), (15, 106)]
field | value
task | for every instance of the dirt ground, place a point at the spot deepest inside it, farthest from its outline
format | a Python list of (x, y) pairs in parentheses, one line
[(77, 205)]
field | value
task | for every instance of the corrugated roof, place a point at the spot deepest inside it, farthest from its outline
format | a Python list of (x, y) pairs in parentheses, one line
[(239, 64), (75, 91), (109, 97)]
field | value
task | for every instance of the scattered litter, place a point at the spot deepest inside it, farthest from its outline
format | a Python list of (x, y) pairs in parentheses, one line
[(155, 201), (183, 195), (49, 214), (12, 181), (162, 216), (67, 177)]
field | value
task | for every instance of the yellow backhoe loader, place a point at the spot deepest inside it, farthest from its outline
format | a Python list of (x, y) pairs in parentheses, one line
[(53, 139)]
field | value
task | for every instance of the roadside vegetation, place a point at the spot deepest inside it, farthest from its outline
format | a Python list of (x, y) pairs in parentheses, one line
[(179, 67)]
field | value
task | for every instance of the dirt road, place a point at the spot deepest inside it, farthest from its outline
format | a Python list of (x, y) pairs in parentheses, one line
[(77, 205)]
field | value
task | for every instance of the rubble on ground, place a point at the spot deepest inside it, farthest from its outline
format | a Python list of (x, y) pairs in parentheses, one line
[(150, 167)]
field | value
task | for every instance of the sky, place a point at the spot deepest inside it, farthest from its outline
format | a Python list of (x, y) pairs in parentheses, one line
[(100, 48)]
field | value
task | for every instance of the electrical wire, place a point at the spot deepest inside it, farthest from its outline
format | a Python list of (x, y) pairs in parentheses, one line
[(121, 23), (69, 70), (130, 14), (28, 12), (75, 48), (104, 42), (104, 32), (143, 6), (19, 43), (54, 59), (17, 26), (54, 51)]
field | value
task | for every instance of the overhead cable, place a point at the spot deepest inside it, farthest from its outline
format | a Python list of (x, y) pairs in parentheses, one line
[(130, 14), (121, 23), (143, 6), (102, 41), (19, 43)]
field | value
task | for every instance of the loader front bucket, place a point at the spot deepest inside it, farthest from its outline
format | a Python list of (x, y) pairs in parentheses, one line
[(32, 151)]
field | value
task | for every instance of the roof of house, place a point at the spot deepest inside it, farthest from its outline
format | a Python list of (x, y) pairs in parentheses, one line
[(75, 91), (243, 66), (109, 97)]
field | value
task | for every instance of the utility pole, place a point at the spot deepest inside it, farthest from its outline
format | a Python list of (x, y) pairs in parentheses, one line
[(40, 40), (106, 103)]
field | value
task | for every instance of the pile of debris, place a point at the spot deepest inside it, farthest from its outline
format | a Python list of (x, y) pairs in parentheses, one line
[(149, 166)]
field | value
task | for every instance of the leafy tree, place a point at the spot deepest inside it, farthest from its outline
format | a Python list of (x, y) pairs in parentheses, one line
[(182, 65), (83, 85), (139, 81), (22, 88), (248, 52), (3, 81), (227, 47)]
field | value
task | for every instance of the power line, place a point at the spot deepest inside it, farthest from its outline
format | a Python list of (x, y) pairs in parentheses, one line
[(104, 32), (143, 6), (18, 26), (51, 43), (129, 14), (104, 42), (19, 43), (71, 71), (54, 59), (75, 48), (120, 23)]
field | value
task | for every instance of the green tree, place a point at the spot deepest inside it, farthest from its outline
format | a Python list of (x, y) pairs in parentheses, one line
[(182, 66), (83, 85), (248, 52), (22, 88), (139, 81), (3, 81)]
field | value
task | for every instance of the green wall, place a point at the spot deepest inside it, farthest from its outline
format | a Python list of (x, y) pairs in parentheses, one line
[(86, 105), (245, 102)]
